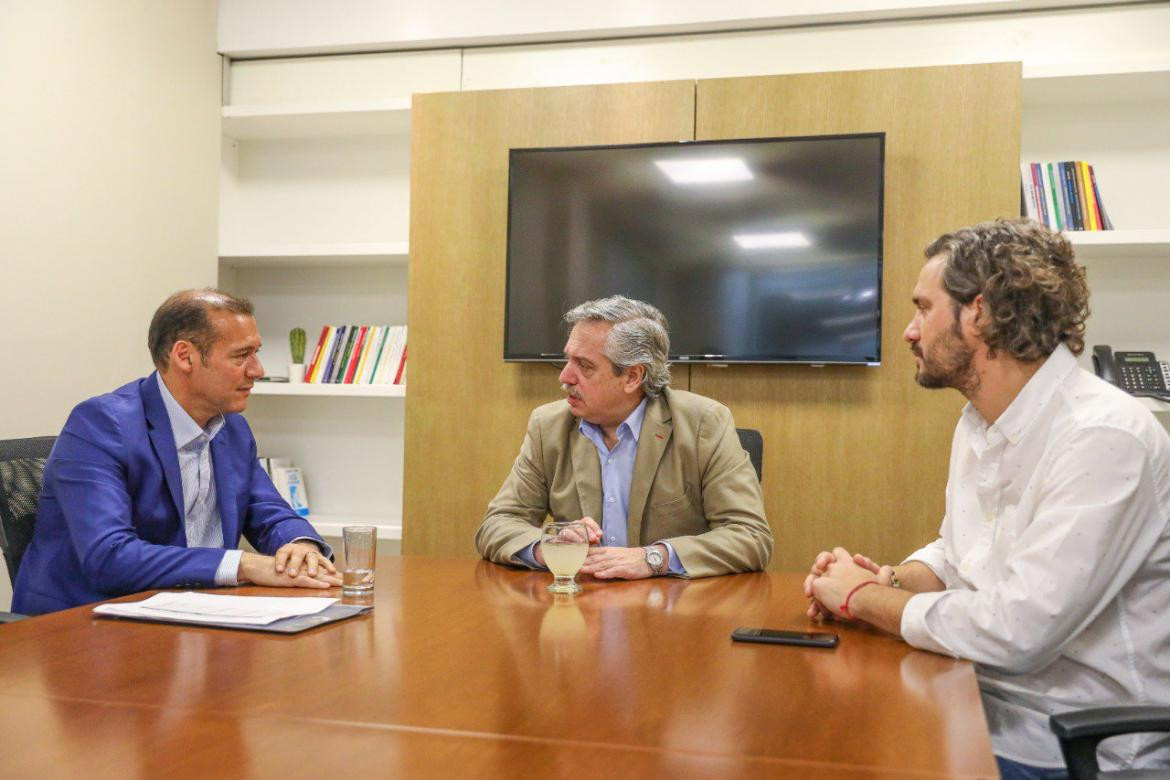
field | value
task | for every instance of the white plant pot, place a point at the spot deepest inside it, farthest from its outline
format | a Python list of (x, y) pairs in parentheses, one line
[(296, 373)]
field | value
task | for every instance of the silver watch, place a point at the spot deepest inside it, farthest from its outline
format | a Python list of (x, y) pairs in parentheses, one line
[(655, 559)]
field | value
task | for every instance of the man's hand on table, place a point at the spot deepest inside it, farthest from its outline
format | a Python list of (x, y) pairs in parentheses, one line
[(624, 563), (593, 536), (295, 565)]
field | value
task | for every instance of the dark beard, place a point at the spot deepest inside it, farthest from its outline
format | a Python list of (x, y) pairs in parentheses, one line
[(952, 364)]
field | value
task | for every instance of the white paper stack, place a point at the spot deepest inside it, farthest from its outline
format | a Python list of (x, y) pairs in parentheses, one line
[(212, 609)]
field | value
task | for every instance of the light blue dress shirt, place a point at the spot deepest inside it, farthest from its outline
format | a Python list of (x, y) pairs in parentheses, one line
[(201, 519), (617, 474), (200, 512)]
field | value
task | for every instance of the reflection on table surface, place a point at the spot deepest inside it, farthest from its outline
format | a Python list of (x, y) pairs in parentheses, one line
[(471, 649)]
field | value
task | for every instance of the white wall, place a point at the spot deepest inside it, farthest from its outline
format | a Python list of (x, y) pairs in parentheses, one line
[(255, 28), (109, 153)]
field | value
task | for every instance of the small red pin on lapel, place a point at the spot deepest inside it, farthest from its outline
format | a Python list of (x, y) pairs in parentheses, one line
[(659, 436)]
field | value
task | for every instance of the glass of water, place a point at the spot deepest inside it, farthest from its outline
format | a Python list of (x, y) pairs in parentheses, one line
[(564, 545), (360, 543)]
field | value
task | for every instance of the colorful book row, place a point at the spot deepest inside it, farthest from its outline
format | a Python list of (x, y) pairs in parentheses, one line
[(359, 355), (1063, 195)]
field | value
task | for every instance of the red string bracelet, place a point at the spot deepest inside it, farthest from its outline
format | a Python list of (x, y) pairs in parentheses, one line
[(845, 604)]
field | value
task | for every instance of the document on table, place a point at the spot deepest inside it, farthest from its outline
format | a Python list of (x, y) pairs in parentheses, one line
[(214, 609)]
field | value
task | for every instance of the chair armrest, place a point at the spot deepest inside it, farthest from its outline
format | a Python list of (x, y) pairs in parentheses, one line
[(1107, 721)]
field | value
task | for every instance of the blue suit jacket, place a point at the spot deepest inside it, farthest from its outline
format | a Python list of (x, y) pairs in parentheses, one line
[(110, 514)]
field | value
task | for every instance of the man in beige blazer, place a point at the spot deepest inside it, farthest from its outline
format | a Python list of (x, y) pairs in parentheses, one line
[(657, 475)]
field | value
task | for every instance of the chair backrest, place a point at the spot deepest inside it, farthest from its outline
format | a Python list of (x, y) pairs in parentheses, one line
[(22, 465), (753, 442)]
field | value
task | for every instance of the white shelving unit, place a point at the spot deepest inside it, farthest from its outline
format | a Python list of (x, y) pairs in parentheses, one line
[(1116, 119), (314, 223), (323, 390)]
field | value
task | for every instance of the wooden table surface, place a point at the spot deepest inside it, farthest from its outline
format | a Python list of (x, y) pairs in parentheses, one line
[(468, 669)]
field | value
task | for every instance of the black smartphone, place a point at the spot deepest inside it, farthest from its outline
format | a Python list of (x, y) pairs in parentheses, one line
[(771, 636)]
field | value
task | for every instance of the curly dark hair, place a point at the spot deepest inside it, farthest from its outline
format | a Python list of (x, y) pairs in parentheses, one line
[(1035, 292)]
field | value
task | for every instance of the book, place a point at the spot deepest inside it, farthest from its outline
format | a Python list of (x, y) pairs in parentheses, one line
[(331, 364), (317, 353), (290, 484), (388, 369), (401, 373), (343, 356), (356, 354), (1038, 183), (1087, 188), (364, 358), (1053, 198), (375, 353), (1074, 207), (1106, 223)]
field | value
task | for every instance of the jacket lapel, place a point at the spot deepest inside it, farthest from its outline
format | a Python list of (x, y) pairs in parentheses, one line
[(163, 441), (657, 428), (586, 474)]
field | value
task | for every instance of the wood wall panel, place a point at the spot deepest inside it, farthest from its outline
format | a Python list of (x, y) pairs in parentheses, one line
[(467, 410), (853, 455)]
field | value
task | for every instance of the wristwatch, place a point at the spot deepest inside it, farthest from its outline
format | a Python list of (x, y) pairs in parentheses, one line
[(655, 559)]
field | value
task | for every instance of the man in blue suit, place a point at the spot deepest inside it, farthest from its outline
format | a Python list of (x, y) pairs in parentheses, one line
[(151, 486)]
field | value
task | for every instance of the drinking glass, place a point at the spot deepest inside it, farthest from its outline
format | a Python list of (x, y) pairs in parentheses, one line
[(564, 545), (361, 544)]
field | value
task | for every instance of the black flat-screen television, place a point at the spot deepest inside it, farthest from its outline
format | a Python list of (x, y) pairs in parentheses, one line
[(766, 250)]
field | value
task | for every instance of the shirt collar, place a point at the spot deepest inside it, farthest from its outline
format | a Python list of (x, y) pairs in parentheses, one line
[(1028, 403), (632, 423), (183, 426)]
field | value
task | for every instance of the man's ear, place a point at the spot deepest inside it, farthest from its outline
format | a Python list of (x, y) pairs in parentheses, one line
[(183, 356), (973, 316), (633, 378)]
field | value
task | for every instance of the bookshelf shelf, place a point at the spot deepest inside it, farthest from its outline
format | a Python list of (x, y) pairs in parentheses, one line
[(319, 120), (330, 526), (334, 390), (1121, 243), (309, 255)]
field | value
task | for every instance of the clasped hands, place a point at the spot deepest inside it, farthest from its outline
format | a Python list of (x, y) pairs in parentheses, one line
[(834, 574), (608, 563), (295, 565)]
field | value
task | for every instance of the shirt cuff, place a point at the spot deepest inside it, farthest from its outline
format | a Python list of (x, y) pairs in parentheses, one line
[(326, 550), (526, 557), (914, 626), (229, 567), (675, 567)]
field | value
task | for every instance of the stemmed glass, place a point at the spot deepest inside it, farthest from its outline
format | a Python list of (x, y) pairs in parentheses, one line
[(564, 545)]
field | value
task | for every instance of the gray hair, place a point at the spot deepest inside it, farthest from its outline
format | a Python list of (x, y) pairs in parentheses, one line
[(639, 337)]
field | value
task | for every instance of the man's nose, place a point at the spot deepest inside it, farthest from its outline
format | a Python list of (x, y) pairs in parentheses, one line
[(254, 366), (566, 374), (910, 335)]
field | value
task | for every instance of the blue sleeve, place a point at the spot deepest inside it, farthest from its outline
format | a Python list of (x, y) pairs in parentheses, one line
[(674, 566), (269, 522), (89, 479), (526, 556)]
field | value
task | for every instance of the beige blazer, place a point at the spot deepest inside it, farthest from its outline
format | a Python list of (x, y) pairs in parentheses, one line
[(693, 486)]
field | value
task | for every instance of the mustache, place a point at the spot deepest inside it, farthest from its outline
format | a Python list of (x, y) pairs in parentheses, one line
[(917, 350), (569, 390)]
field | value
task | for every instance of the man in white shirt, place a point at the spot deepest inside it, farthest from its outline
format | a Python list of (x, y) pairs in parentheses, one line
[(1052, 568)]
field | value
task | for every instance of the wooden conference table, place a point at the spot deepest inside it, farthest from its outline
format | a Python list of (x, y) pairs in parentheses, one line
[(467, 669)]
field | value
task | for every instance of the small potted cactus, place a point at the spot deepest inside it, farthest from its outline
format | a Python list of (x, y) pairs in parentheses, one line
[(296, 346)]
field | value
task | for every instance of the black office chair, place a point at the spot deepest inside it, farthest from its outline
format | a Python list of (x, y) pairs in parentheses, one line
[(1080, 731), (22, 464), (751, 440)]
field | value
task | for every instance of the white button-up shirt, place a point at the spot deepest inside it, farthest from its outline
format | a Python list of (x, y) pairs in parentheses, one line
[(1055, 552)]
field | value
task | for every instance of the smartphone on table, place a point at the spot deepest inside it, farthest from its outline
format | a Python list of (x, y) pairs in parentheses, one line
[(771, 636)]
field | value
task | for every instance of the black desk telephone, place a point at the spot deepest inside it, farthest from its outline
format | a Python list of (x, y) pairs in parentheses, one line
[(1137, 373)]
